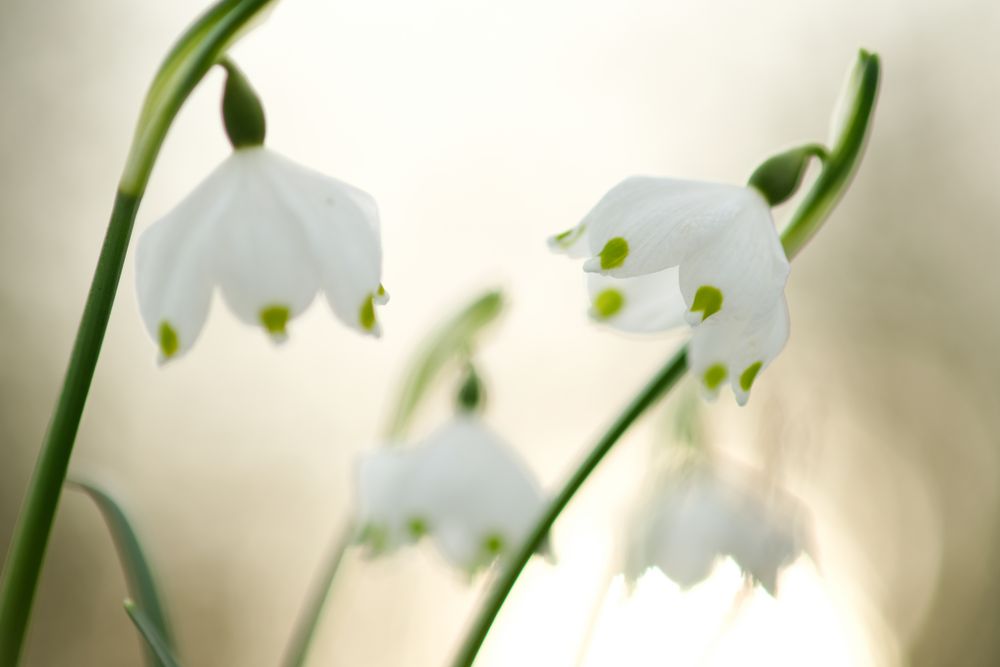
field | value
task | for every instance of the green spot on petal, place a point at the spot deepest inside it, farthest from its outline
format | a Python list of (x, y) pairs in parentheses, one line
[(714, 376), (614, 253), (381, 289), (749, 375), (494, 544), (417, 527), (275, 319), (607, 303), (708, 300), (375, 536), (366, 317), (169, 343)]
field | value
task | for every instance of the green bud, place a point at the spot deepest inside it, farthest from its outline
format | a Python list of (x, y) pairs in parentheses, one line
[(471, 395), (242, 112), (780, 176)]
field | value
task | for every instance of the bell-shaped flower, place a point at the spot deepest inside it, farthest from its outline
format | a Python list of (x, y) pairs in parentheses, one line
[(662, 251), (463, 486), (698, 518), (270, 234)]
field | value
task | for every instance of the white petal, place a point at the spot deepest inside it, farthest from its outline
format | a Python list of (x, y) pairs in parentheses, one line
[(263, 261), (573, 242), (480, 499), (644, 304), (765, 539), (383, 512), (173, 280), (685, 530), (730, 350), (341, 223), (745, 263), (661, 222)]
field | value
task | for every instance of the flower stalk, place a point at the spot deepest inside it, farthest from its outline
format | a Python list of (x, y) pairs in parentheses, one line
[(196, 51), (858, 101)]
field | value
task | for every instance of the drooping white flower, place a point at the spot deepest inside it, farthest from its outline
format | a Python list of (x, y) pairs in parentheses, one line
[(270, 234), (665, 250), (462, 486), (698, 518)]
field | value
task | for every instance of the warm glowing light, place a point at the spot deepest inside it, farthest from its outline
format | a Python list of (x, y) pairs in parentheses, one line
[(723, 621)]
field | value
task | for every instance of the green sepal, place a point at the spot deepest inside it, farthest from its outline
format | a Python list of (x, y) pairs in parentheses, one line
[(242, 112), (471, 396), (779, 177)]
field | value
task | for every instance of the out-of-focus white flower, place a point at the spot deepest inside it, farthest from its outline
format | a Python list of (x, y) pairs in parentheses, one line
[(669, 250), (699, 518), (463, 486), (270, 234)]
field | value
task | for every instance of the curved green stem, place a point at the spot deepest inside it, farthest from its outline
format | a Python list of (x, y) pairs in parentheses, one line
[(197, 50), (843, 158), (305, 628), (838, 167)]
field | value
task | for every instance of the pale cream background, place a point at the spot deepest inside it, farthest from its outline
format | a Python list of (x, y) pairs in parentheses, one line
[(481, 127)]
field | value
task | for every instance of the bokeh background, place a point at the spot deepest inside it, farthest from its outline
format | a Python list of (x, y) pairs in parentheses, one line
[(482, 127)]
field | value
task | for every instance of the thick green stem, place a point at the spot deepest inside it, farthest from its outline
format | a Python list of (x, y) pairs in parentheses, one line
[(305, 628), (24, 561), (196, 51), (666, 378)]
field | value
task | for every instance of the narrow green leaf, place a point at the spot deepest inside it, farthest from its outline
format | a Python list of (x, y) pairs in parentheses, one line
[(155, 641), (453, 340), (138, 574)]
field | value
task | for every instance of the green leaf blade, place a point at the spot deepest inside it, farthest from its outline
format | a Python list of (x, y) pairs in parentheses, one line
[(138, 572), (155, 641)]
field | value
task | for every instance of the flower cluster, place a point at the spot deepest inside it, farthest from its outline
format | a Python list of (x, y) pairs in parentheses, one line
[(462, 486), (664, 251), (700, 517)]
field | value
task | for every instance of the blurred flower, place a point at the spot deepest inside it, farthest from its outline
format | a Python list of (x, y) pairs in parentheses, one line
[(270, 233), (698, 518), (463, 486), (666, 250)]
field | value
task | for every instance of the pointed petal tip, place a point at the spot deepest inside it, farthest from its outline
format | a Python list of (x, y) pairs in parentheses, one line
[(593, 265)]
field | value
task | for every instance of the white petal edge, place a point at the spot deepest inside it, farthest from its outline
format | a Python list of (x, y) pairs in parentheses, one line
[(174, 283), (341, 223), (263, 261), (662, 220), (738, 346), (644, 304), (746, 263), (474, 489), (383, 501)]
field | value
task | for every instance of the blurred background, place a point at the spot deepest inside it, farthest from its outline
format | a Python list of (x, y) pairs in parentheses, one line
[(481, 128)]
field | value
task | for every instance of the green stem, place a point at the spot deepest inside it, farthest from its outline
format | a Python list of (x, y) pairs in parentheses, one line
[(305, 628), (834, 178), (843, 159), (666, 378), (24, 562), (193, 55)]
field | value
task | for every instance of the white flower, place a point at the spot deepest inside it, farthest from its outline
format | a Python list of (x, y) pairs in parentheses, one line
[(665, 250), (699, 518), (462, 486), (270, 233)]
